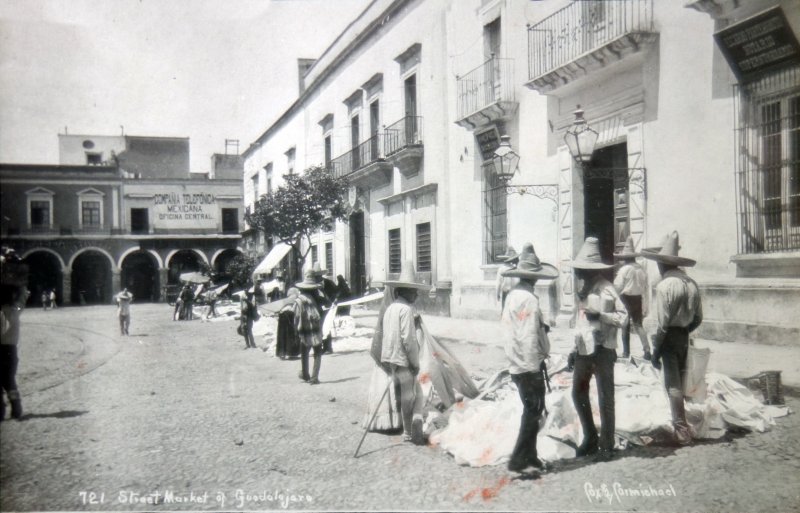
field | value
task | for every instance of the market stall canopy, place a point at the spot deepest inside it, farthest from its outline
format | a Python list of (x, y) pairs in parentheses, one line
[(276, 306), (195, 277), (273, 258)]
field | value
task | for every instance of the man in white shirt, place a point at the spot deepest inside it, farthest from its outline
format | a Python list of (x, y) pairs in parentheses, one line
[(527, 346), (679, 311), (401, 347), (123, 300), (631, 284)]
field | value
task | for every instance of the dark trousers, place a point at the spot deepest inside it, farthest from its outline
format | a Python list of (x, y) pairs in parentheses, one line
[(601, 365), (531, 391), (317, 361), (674, 349), (248, 333), (8, 368)]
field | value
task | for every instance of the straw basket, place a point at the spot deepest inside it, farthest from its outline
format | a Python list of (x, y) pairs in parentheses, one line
[(770, 384)]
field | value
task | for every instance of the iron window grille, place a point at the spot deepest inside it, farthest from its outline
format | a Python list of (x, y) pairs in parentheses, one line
[(395, 256), (767, 114), (424, 247), (495, 216)]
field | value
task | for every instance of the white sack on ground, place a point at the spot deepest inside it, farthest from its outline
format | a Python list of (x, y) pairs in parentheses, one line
[(483, 431), (442, 370)]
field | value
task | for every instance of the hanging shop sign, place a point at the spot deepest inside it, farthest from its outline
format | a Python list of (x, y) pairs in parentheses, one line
[(488, 141), (762, 42)]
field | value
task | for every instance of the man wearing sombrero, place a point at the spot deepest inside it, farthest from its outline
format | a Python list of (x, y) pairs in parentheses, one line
[(308, 325), (527, 346), (505, 284), (679, 311), (400, 349), (631, 284), (599, 314)]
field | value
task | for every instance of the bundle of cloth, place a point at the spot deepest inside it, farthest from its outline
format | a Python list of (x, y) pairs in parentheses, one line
[(483, 431)]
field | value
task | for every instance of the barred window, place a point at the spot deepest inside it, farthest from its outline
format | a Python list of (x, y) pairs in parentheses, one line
[(768, 166), (40, 213), (495, 216), (394, 251), (424, 247), (329, 257)]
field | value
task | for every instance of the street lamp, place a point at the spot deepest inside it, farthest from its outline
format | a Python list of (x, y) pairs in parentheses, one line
[(505, 160), (580, 138)]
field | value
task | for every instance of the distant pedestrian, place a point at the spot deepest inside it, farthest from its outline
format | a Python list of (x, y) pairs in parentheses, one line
[(287, 344), (123, 300), (187, 303), (45, 300), (401, 347), (248, 315), (679, 311), (505, 283), (343, 294), (527, 346), (599, 314), (211, 297), (53, 299), (308, 325), (632, 287)]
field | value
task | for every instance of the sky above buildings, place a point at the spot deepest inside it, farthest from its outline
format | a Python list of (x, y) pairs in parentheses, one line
[(203, 69)]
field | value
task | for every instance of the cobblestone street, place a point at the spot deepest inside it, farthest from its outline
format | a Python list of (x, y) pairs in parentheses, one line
[(180, 415)]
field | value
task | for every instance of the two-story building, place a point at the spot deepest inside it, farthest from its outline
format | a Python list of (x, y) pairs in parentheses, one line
[(119, 212), (410, 103)]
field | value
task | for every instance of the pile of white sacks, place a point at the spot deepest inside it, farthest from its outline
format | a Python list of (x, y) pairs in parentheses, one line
[(483, 431)]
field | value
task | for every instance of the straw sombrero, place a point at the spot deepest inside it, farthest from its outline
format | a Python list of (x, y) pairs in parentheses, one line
[(627, 251), (309, 281), (510, 254), (668, 254), (526, 248), (407, 278), (529, 266), (589, 256)]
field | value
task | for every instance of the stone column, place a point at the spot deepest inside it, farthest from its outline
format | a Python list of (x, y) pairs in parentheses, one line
[(163, 277), (66, 286), (116, 282)]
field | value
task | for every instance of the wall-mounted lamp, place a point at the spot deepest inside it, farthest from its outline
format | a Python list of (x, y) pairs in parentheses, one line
[(580, 138)]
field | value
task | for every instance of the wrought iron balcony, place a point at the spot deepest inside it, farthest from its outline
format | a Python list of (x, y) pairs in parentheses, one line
[(584, 36), (486, 93), (368, 163), (403, 134)]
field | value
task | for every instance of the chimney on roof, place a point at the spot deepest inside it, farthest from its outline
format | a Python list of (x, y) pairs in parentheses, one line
[(303, 65)]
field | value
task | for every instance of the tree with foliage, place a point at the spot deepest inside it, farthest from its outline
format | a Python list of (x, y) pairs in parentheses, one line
[(240, 271), (300, 207)]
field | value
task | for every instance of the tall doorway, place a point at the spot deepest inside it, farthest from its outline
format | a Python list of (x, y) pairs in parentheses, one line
[(358, 254), (139, 274), (606, 205)]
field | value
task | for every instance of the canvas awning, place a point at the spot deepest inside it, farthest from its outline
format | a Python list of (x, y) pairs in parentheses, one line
[(273, 258)]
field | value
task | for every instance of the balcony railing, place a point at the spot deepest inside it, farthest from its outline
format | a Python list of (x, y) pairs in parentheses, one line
[(402, 134), (581, 27), (491, 82)]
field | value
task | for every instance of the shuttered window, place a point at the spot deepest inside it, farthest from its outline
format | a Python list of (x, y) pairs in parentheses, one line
[(424, 247), (329, 257), (314, 254), (394, 251)]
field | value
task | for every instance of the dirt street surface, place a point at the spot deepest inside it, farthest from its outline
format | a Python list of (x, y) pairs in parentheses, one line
[(178, 416)]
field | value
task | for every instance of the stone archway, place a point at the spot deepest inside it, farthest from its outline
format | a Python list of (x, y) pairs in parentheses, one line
[(91, 278), (222, 258), (183, 261), (139, 274), (45, 273)]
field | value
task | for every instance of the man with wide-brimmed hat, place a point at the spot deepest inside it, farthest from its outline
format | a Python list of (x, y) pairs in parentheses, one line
[(632, 285), (598, 316), (248, 315), (124, 300), (527, 346), (400, 349), (505, 284), (326, 295), (13, 295), (679, 311), (308, 325)]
